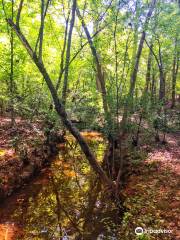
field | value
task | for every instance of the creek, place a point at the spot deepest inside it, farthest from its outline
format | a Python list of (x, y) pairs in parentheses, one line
[(65, 201)]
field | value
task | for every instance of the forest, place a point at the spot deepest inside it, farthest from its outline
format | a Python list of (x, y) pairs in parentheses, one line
[(89, 119)]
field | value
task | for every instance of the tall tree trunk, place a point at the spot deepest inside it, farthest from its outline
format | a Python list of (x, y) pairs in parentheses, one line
[(133, 77), (39, 41), (153, 87), (12, 69), (129, 101), (116, 65), (98, 65), (161, 84), (41, 30), (135, 35), (174, 74), (136, 66), (68, 54), (161, 70), (148, 72), (62, 54), (161, 75), (61, 110)]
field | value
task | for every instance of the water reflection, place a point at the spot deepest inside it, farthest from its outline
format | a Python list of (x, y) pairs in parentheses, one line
[(66, 202)]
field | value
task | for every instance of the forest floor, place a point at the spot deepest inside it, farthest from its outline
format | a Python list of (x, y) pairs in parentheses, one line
[(152, 191), (23, 152), (152, 195)]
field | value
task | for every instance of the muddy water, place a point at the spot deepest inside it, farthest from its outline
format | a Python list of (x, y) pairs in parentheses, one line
[(67, 201)]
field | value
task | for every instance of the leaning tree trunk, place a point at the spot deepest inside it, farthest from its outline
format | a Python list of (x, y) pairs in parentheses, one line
[(60, 108), (100, 73)]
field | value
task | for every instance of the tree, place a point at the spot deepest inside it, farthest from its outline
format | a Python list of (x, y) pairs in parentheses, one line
[(134, 72), (59, 105), (175, 72), (11, 84)]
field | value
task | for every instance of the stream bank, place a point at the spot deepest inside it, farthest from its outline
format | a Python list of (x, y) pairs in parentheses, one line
[(24, 150)]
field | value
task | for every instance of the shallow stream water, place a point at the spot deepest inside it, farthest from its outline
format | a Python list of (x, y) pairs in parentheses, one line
[(66, 201)]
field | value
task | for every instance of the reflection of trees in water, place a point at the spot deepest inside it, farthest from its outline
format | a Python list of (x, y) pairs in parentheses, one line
[(72, 202)]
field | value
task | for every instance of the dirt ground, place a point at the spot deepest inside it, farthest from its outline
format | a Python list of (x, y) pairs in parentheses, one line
[(152, 193)]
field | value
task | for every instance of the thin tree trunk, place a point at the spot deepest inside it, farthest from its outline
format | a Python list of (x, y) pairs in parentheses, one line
[(116, 64), (174, 74), (148, 73), (19, 12), (173, 84), (41, 30), (162, 85), (61, 110), (62, 55), (161, 71), (133, 77), (135, 37), (98, 65), (136, 66), (161, 75), (68, 53), (12, 69), (62, 69), (129, 101), (153, 87)]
